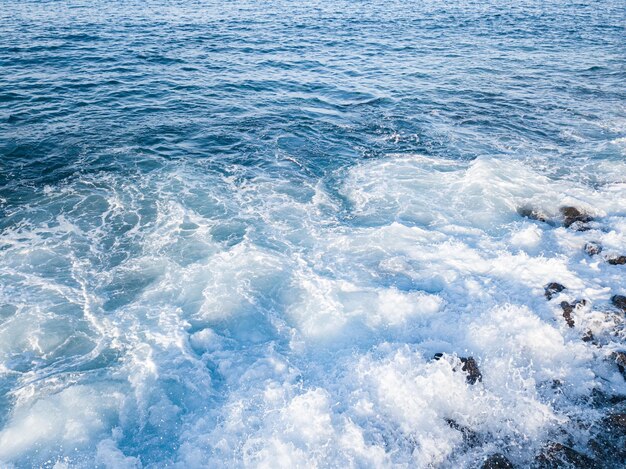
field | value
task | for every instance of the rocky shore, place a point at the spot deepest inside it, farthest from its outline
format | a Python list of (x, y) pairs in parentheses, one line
[(606, 442)]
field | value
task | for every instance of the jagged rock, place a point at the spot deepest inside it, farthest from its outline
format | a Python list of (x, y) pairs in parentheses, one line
[(497, 461), (574, 218), (552, 289), (471, 368), (568, 309), (617, 260), (619, 301), (592, 248), (556, 455)]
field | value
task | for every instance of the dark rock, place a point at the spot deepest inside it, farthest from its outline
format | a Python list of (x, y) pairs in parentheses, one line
[(497, 461), (601, 399), (468, 365), (533, 214), (619, 301), (556, 455), (572, 215), (568, 309), (592, 248), (471, 368), (618, 260), (552, 289), (567, 313)]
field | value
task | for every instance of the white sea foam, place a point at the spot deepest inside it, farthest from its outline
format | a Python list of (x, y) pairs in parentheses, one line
[(264, 322)]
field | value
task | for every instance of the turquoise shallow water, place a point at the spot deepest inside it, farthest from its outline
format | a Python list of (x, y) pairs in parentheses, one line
[(235, 234)]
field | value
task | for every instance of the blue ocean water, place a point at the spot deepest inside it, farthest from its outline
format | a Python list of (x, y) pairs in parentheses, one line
[(233, 234)]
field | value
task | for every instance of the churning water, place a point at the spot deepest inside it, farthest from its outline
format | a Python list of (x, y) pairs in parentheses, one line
[(236, 233)]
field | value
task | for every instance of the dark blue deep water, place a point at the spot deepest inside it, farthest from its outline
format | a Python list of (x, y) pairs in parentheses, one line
[(233, 234)]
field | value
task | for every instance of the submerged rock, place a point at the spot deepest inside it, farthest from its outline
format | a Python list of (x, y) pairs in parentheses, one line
[(557, 455), (601, 398), (617, 260), (471, 368), (592, 248), (497, 461), (616, 423), (609, 440), (533, 214), (568, 309), (574, 218), (587, 337), (470, 437), (552, 289), (619, 301)]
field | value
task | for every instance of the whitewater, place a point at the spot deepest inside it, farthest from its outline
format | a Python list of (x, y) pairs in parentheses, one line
[(272, 234)]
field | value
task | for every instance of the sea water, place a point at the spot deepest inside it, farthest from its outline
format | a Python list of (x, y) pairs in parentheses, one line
[(234, 234)]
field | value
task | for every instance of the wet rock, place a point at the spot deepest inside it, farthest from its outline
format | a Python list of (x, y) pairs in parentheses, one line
[(567, 313), (617, 260), (437, 356), (533, 214), (552, 289), (574, 218), (620, 361), (471, 368), (609, 440), (587, 337), (592, 248), (568, 309), (619, 301), (497, 461), (556, 455), (602, 399), (616, 423)]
